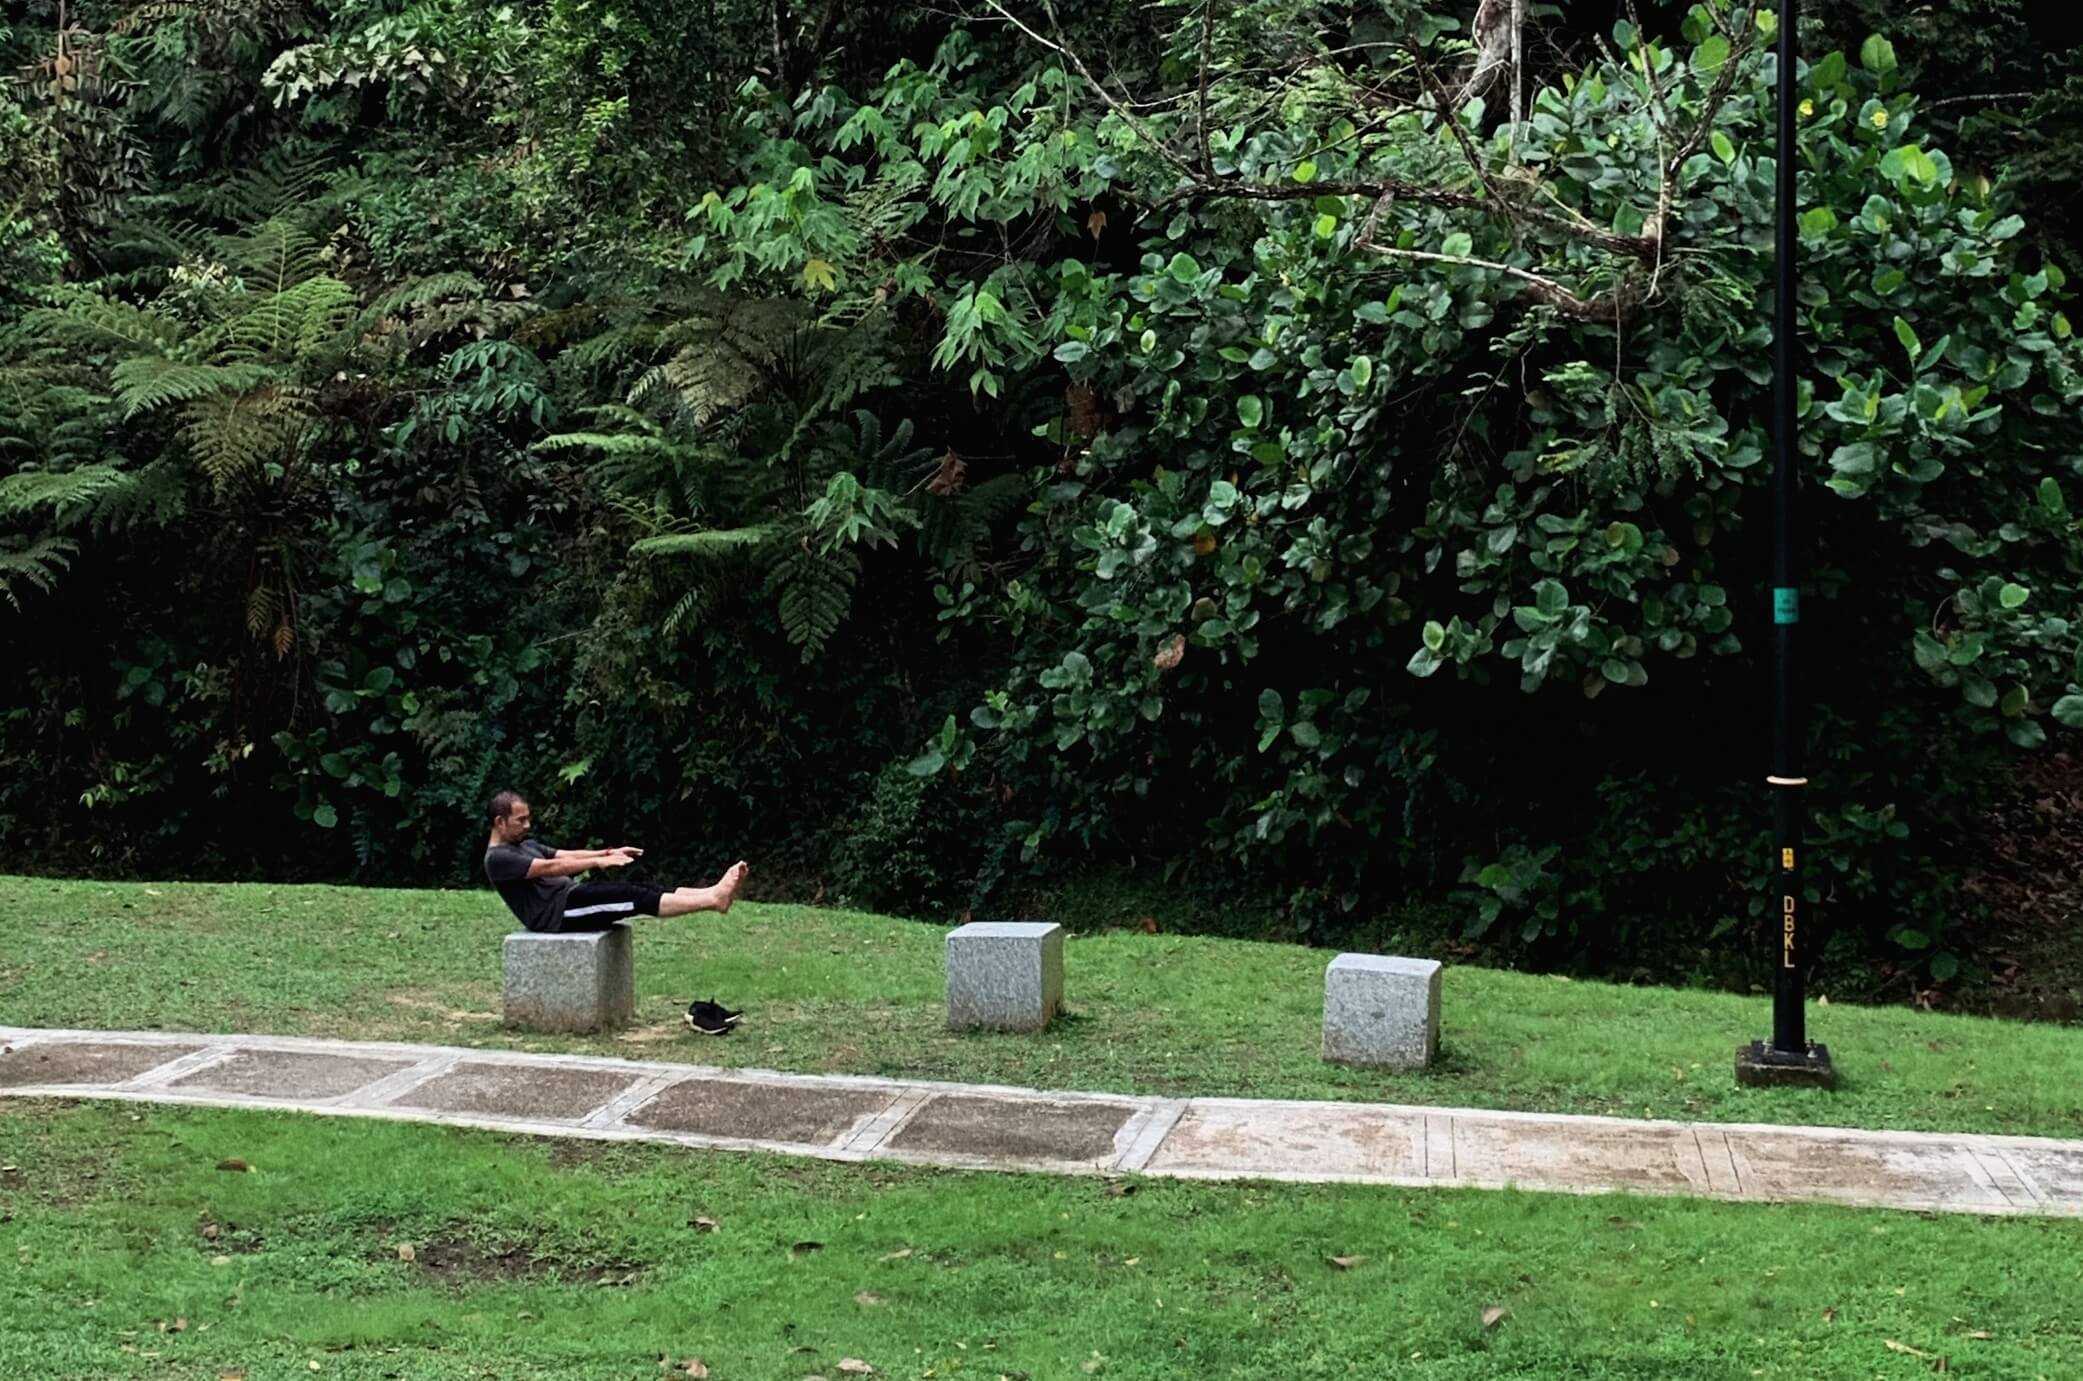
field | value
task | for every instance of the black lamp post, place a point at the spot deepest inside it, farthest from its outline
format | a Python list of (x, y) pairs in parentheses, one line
[(1789, 1057)]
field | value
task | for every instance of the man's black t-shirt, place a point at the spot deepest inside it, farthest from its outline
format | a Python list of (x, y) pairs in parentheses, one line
[(538, 903)]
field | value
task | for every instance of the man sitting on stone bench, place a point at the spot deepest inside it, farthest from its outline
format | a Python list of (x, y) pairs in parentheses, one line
[(536, 883)]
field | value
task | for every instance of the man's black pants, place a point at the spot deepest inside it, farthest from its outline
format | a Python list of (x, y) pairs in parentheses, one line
[(598, 905)]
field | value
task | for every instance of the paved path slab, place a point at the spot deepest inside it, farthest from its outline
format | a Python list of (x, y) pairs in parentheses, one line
[(992, 1128)]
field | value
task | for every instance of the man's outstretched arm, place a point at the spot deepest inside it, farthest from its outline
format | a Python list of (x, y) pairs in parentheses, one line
[(570, 862), (597, 854)]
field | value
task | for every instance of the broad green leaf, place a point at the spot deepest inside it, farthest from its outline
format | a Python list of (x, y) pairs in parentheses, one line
[(2013, 595), (1707, 59), (325, 817), (1908, 337), (1724, 149), (1877, 55), (1458, 244), (1250, 410), (1305, 171), (2069, 711)]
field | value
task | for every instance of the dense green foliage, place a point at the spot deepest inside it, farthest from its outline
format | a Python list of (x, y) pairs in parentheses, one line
[(942, 448)]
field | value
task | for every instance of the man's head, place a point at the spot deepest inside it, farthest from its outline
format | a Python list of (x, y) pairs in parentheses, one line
[(511, 820)]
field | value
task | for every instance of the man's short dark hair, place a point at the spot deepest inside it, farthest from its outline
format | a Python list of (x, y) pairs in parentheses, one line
[(503, 804)]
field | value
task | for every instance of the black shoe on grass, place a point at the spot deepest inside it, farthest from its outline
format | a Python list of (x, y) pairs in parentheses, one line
[(707, 1019)]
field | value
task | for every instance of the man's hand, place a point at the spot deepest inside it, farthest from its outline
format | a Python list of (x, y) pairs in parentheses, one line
[(613, 860), (627, 850)]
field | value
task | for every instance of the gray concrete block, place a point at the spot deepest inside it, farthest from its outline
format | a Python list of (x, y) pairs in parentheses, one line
[(1005, 975), (578, 982), (1381, 1010)]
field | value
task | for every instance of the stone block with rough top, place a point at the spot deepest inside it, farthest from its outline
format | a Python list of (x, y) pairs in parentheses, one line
[(1380, 1010), (1004, 975), (579, 982)]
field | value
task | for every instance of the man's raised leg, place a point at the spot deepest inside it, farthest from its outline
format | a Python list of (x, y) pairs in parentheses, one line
[(682, 901)]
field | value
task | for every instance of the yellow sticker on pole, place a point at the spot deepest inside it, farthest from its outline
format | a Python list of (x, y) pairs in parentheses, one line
[(1786, 859)]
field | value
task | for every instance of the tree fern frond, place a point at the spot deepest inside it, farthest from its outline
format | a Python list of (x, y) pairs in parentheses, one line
[(688, 608), (89, 321), (234, 435), (712, 544), (35, 563), (145, 382), (272, 257), (69, 495), (425, 291), (261, 610), (155, 496), (608, 443), (813, 594), (301, 320)]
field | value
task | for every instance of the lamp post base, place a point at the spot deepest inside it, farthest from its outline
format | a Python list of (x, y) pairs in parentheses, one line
[(1758, 1065)]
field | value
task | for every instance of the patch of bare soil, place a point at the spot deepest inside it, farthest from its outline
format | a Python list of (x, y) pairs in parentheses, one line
[(2029, 871)]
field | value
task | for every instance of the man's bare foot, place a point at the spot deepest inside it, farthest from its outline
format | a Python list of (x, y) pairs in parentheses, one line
[(726, 889)]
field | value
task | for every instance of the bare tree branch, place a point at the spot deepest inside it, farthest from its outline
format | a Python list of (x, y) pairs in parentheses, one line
[(1207, 43), (1613, 306), (1128, 117)]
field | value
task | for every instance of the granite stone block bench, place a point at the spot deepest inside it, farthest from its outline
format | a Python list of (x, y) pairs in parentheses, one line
[(1382, 1011), (1004, 975), (584, 981)]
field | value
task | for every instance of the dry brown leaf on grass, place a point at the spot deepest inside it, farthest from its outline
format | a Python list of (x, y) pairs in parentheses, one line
[(854, 1366), (234, 1164), (1494, 1315), (406, 1252), (897, 1255), (867, 1299), (695, 1367), (1345, 1263), (703, 1224)]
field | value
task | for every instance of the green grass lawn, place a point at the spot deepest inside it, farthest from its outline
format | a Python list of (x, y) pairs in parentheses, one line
[(130, 1253), (840, 992)]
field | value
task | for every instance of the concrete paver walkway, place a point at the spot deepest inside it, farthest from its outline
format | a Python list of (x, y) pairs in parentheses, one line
[(989, 1128)]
